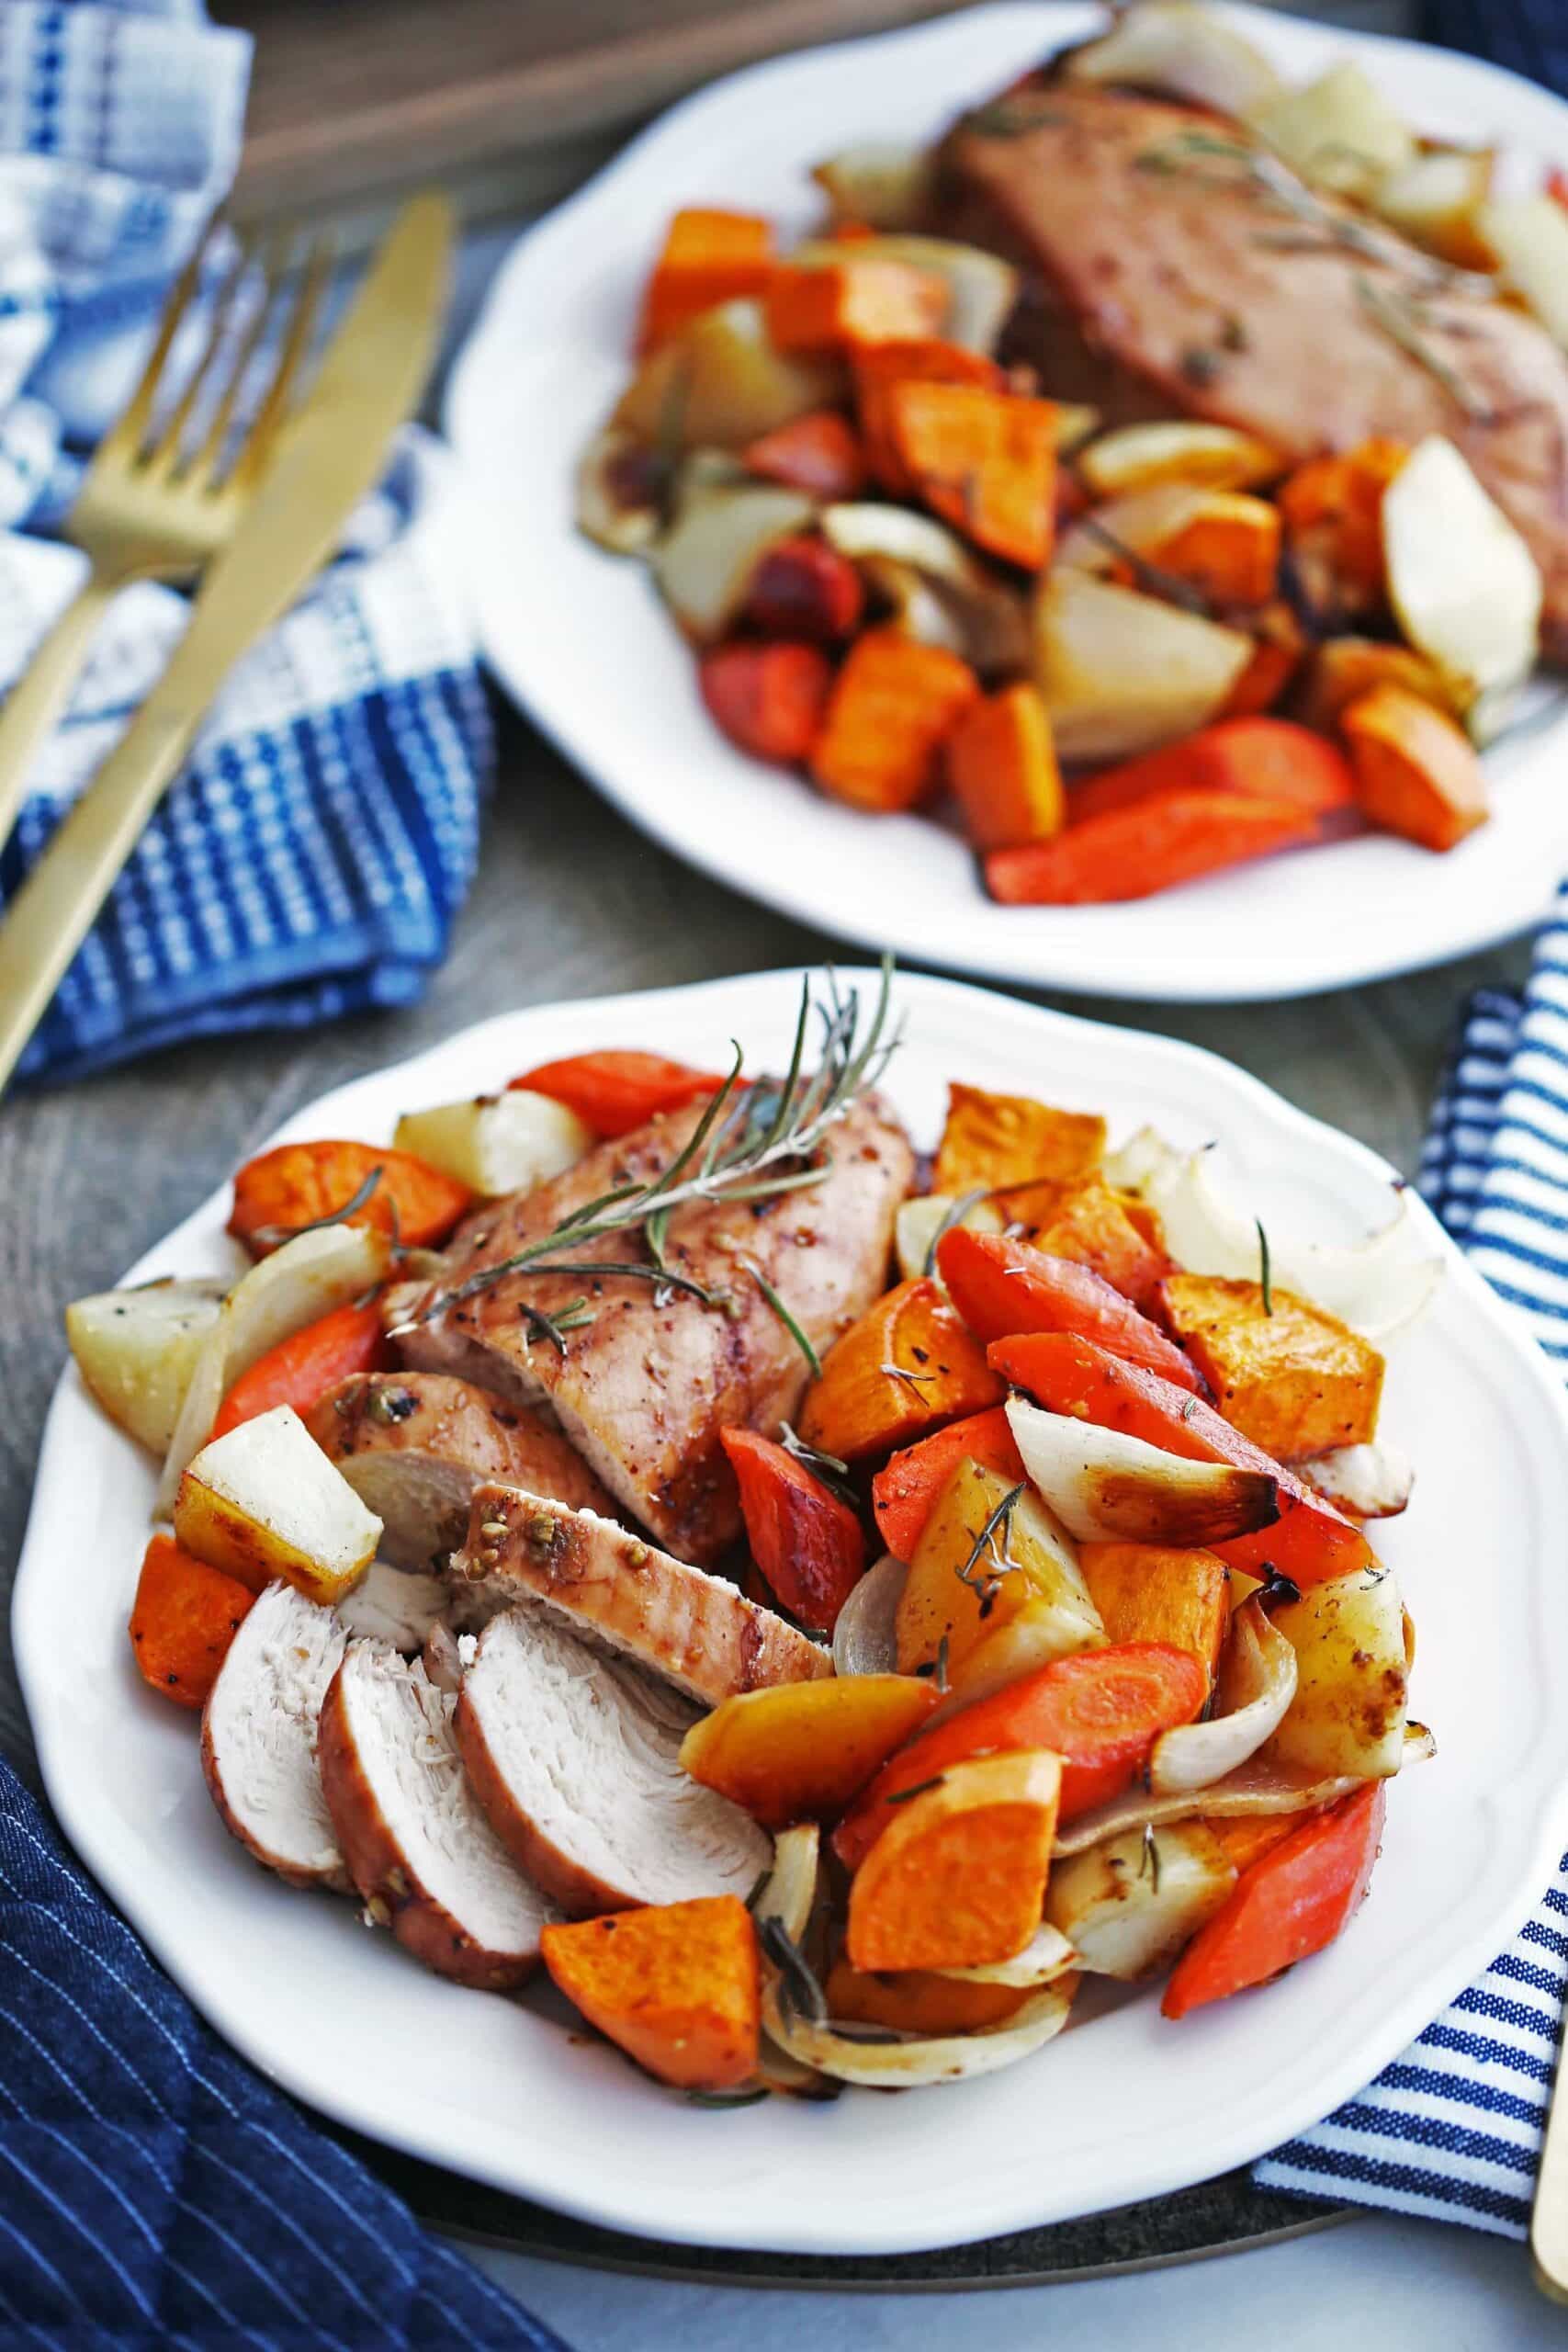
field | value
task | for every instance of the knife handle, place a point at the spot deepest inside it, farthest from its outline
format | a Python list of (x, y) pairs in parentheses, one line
[(57, 905)]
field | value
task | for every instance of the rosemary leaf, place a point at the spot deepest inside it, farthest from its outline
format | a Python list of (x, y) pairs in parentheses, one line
[(955, 1214), (986, 1583), (275, 1235), (825, 1468), (1265, 1268), (799, 1991), (786, 1318), (907, 1796)]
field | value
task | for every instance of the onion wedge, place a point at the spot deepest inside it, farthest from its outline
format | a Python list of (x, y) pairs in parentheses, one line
[(892, 2064), (1363, 1481), (865, 1635), (284, 1290), (1104, 1487), (1257, 1683), (1045, 1957)]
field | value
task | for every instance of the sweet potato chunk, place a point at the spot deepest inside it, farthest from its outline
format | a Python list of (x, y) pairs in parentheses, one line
[(1416, 772), (913, 2000), (675, 1985), (1148, 1592), (857, 301), (709, 256), (957, 1879), (1296, 1381), (957, 1596), (804, 1750), (1096, 1227), (1008, 1139), (904, 1369), (892, 708), (1002, 766), (185, 1615)]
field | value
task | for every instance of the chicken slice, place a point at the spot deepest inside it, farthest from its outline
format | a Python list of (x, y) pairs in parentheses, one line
[(258, 1736)]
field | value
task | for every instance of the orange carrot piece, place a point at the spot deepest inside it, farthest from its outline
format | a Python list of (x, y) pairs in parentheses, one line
[(821, 453), (1310, 1542), (1279, 649), (1416, 771), (804, 589), (893, 704), (807, 1543), (296, 1183), (957, 1878), (1099, 1711), (1001, 1286), (771, 700), (903, 1369), (882, 367), (1133, 852), (904, 1493), (1285, 1907), (1264, 759), (802, 1751), (675, 1985), (984, 460), (303, 1367), (1011, 1139), (1229, 550), (709, 256), (184, 1616), (858, 300), (1002, 766), (1151, 1592), (618, 1090)]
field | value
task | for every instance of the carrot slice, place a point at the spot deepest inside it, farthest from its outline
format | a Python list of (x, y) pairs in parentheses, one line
[(675, 1985), (807, 1543), (1310, 1540), (1416, 771), (709, 256), (894, 702), (618, 1090), (297, 1183), (303, 1367), (184, 1616), (1099, 1711), (984, 460), (1265, 759), (1001, 1286), (1126, 854), (820, 453), (957, 1879), (770, 700), (1002, 766), (857, 301), (803, 588), (904, 1493), (1285, 1907)]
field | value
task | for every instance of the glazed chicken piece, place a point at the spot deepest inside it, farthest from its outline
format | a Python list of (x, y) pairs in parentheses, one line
[(643, 1389), (1160, 279)]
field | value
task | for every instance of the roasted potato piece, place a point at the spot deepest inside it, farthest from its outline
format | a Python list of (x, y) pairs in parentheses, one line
[(1129, 1905), (265, 1501), (958, 1594), (1434, 200), (1121, 671), (1349, 1713), (1527, 237), (497, 1143), (884, 183), (1465, 587), (720, 383), (706, 562), (1338, 132), (1150, 1592), (1293, 1379), (137, 1349), (618, 505), (1004, 1139)]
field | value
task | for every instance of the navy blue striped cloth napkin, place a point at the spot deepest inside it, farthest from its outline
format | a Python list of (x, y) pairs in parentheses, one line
[(1453, 2128), (154, 2191), (312, 857)]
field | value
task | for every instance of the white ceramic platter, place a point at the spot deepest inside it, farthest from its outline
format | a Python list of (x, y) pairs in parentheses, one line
[(1124, 2105), (582, 642)]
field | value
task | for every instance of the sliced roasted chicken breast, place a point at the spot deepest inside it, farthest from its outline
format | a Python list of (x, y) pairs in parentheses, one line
[(258, 1736), (697, 1631), (575, 1760), (396, 1605), (417, 1845), (414, 1445), (643, 1388)]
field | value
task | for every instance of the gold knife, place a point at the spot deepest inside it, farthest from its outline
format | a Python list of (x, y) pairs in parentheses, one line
[(369, 383)]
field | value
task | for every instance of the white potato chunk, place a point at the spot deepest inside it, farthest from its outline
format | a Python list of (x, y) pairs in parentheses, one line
[(1121, 672), (1128, 1906), (1528, 237), (1352, 1679), (497, 1143), (265, 1501), (1465, 587), (1434, 198), (137, 1349), (721, 382), (1338, 132), (920, 1221), (887, 184)]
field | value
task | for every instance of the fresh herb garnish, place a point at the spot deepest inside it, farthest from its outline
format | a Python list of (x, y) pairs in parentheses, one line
[(907, 1796), (274, 1236), (1265, 1268), (796, 1333), (1149, 576), (986, 1583), (912, 1379), (936, 1667), (800, 1994), (724, 1159), (825, 1468), (576, 1315), (955, 1214), (1199, 364), (1148, 1866), (1007, 119)]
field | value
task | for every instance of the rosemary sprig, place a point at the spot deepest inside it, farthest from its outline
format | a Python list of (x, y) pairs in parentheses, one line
[(825, 1468), (1402, 324), (955, 1214), (1265, 1268), (1148, 1866), (911, 1380), (796, 1333), (987, 1583), (725, 1159), (576, 1315), (275, 1235), (800, 1994), (907, 1796)]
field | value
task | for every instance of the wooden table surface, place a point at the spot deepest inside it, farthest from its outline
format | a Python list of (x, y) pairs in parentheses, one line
[(569, 902)]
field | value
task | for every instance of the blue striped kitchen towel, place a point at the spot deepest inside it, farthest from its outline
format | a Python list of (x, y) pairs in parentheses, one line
[(1452, 2129), (312, 857), (154, 2191)]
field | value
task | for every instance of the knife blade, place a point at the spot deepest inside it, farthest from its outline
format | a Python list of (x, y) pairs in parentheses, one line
[(367, 384)]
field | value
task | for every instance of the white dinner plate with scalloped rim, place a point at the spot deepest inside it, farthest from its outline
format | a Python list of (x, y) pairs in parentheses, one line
[(1123, 2106), (582, 642)]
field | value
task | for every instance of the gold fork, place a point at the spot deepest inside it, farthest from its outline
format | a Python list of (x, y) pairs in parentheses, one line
[(149, 507)]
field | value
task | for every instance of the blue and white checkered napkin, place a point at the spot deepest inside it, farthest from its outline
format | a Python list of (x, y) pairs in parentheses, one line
[(310, 860), (1453, 2128)]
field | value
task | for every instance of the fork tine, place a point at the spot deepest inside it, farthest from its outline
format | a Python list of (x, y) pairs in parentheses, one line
[(270, 417), (203, 466), (126, 432), (165, 454)]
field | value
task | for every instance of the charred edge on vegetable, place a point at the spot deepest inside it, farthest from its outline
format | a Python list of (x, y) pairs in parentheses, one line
[(1277, 1591), (937, 1666)]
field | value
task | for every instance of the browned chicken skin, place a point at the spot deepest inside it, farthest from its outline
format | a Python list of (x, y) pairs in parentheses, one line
[(1190, 287), (644, 1389)]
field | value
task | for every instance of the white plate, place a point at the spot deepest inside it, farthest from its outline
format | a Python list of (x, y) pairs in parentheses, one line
[(580, 640), (1126, 2105)]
